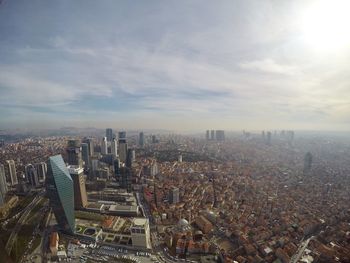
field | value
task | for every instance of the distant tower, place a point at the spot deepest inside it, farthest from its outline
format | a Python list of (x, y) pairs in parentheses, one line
[(85, 153), (10, 169), (207, 135), (212, 135), (307, 162), (3, 185), (263, 136), (154, 139), (220, 135), (126, 178), (74, 153), (104, 146), (114, 147), (179, 159), (109, 134), (141, 139), (80, 197), (60, 191), (31, 175), (116, 165)]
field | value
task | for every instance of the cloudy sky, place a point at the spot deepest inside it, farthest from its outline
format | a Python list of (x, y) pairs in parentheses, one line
[(181, 65)]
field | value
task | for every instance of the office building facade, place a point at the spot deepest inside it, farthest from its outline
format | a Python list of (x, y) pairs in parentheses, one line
[(74, 156), (11, 173), (114, 147), (3, 185), (80, 196), (104, 146), (60, 191), (109, 134)]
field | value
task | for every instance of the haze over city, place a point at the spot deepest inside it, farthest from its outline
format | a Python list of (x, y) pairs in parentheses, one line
[(175, 65)]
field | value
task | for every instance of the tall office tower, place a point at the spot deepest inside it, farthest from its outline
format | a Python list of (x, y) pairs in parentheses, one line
[(207, 135), (307, 162), (10, 169), (220, 135), (174, 195), (85, 153), (129, 159), (154, 168), (60, 191), (80, 196), (31, 175), (109, 134), (114, 147), (154, 139), (116, 166), (90, 144), (122, 135), (140, 233), (126, 178), (74, 153), (141, 139), (179, 158), (123, 150), (263, 136), (104, 146), (41, 169), (268, 138), (212, 135), (3, 185)]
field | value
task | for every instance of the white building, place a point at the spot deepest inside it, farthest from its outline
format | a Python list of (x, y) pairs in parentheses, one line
[(140, 233), (114, 147)]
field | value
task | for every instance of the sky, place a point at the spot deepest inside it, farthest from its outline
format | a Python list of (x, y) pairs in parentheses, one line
[(177, 65)]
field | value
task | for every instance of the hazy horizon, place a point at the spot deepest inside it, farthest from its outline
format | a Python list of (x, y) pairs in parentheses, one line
[(194, 65)]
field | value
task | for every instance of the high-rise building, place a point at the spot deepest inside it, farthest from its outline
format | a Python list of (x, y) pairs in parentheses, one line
[(90, 144), (116, 165), (220, 135), (268, 138), (126, 178), (3, 185), (104, 146), (80, 196), (174, 195), (122, 135), (109, 134), (74, 153), (212, 135), (207, 135), (141, 139), (123, 150), (307, 162), (60, 192), (179, 158), (10, 171), (114, 147), (41, 169), (154, 139), (85, 153), (129, 159), (140, 233), (31, 175)]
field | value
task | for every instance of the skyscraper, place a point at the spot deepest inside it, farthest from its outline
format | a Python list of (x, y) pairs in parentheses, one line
[(174, 195), (80, 196), (31, 175), (207, 135), (114, 147), (122, 135), (220, 135), (104, 146), (85, 153), (90, 145), (141, 139), (109, 134), (126, 178), (123, 150), (212, 135), (116, 165), (10, 170), (41, 169), (74, 153), (268, 138), (3, 185), (60, 192), (129, 159)]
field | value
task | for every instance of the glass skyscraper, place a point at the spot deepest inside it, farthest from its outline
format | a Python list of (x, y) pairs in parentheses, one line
[(61, 193)]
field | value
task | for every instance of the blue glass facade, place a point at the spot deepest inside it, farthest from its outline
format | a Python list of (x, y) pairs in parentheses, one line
[(61, 193)]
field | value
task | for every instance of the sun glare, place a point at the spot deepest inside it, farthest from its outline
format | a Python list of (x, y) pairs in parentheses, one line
[(326, 25)]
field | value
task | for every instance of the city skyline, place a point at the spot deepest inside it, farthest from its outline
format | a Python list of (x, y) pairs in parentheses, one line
[(233, 65)]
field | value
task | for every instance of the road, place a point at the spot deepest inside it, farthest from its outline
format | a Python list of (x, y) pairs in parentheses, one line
[(296, 257), (20, 222)]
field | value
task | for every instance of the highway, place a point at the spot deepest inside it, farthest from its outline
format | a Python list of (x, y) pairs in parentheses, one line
[(20, 222), (296, 257)]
